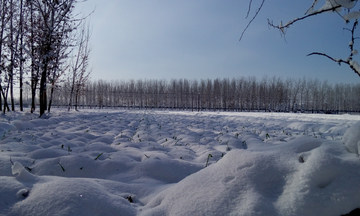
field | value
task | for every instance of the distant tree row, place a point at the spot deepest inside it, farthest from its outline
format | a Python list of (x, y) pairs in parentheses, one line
[(242, 94)]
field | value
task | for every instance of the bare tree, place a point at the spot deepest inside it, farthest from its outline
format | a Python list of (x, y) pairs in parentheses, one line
[(12, 49), (79, 73), (3, 57), (56, 21), (21, 54), (244, 94)]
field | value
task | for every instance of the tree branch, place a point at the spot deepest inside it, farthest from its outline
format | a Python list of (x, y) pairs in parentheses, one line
[(282, 28), (257, 12), (312, 6), (339, 61), (248, 12), (354, 65)]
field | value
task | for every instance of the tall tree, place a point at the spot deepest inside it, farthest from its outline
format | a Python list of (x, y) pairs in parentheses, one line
[(79, 62), (3, 27), (21, 57), (56, 23), (12, 48)]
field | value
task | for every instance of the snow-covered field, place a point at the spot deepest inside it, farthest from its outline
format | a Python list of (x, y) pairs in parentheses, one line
[(125, 162)]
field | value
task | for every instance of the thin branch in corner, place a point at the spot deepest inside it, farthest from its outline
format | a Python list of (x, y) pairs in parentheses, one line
[(352, 64), (257, 12), (248, 12), (349, 61), (312, 7), (326, 55), (351, 45), (282, 28)]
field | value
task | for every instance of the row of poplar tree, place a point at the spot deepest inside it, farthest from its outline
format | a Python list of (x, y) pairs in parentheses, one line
[(44, 46), (240, 94), (42, 43)]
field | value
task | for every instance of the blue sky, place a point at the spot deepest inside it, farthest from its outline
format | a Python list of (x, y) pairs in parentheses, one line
[(199, 39)]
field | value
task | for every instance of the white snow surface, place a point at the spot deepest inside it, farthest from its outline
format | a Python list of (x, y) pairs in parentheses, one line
[(126, 162)]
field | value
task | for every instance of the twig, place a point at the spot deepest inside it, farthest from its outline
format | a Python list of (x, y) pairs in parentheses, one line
[(248, 12), (331, 58), (349, 61), (287, 25), (312, 6), (257, 12)]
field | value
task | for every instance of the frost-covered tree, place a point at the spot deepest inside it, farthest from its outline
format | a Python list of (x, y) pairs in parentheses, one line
[(10, 57), (79, 72), (4, 20), (55, 23), (348, 11)]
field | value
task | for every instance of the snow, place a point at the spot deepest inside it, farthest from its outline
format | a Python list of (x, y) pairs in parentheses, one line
[(355, 65), (352, 15), (341, 4), (133, 162), (352, 138), (348, 4)]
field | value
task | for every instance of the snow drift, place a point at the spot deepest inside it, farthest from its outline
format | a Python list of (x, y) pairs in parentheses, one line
[(179, 163)]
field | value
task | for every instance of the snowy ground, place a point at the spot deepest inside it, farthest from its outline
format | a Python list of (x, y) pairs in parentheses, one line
[(178, 163)]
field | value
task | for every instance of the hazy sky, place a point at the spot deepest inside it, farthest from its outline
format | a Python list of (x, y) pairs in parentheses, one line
[(199, 39)]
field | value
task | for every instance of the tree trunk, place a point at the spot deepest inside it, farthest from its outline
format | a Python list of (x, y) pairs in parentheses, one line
[(51, 95), (6, 106), (71, 96), (76, 98), (21, 56), (34, 71), (43, 90), (33, 94), (12, 54)]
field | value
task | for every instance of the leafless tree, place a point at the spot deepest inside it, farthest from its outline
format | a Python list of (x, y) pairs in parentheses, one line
[(79, 72), (241, 94), (3, 53), (55, 23)]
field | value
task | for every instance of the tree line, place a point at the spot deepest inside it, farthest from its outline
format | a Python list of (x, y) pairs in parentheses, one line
[(44, 48), (42, 43), (273, 94)]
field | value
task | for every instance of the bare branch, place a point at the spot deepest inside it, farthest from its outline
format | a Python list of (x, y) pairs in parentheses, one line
[(312, 6), (257, 12), (352, 64), (349, 61), (339, 61), (282, 28), (248, 12), (351, 45)]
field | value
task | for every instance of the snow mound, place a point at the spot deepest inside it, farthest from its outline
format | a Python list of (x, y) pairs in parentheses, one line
[(65, 196), (123, 162), (274, 182), (22, 174), (352, 138)]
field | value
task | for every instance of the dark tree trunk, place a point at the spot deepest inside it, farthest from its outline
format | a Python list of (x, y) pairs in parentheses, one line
[(43, 95)]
